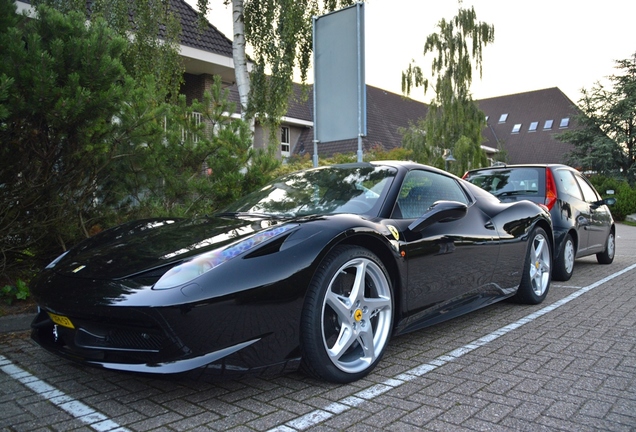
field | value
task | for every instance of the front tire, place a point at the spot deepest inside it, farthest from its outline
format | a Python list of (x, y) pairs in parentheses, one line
[(607, 256), (535, 281), (564, 267), (347, 317)]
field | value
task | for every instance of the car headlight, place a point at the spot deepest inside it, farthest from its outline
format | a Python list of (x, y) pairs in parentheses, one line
[(203, 263)]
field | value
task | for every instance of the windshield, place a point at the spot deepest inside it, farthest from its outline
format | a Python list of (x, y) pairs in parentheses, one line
[(355, 188), (508, 182)]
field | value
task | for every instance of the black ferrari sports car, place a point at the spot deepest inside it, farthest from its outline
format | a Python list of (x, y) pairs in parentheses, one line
[(317, 269)]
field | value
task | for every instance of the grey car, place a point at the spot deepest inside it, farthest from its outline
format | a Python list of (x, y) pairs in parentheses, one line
[(583, 224)]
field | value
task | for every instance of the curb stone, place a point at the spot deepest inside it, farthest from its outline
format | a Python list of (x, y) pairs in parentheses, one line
[(16, 323)]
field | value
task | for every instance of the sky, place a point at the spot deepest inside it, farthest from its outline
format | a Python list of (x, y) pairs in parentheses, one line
[(569, 44)]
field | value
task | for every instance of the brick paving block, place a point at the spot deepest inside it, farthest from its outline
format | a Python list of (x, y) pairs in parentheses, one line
[(596, 409), (348, 420), (507, 400), (622, 420), (74, 425), (256, 406), (296, 407), (435, 389), (562, 410), (191, 422), (156, 421), (494, 413), (518, 424), (484, 425), (236, 420), (183, 407), (422, 415), (528, 411), (274, 393), (129, 418), (439, 425), (220, 407), (458, 414), (458, 399), (397, 402), (109, 407), (385, 418), (270, 420)]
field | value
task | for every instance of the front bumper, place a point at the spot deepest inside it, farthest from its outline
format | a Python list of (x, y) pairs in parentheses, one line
[(134, 346)]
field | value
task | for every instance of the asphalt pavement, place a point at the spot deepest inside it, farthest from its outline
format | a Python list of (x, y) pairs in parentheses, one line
[(568, 364)]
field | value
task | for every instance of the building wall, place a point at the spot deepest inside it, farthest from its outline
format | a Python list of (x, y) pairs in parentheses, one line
[(261, 137)]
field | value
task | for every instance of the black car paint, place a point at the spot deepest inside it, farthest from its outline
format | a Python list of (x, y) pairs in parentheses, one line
[(588, 223), (245, 313)]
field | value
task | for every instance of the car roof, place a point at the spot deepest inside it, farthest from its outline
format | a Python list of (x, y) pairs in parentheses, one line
[(400, 165), (533, 165)]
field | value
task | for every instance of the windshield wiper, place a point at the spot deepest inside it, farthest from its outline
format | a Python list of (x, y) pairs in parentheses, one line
[(248, 214), (511, 193)]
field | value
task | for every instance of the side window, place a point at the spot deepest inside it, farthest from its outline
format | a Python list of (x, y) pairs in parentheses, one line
[(567, 183), (421, 189), (588, 191)]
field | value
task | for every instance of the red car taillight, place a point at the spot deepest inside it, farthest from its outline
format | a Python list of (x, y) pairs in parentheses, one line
[(550, 189)]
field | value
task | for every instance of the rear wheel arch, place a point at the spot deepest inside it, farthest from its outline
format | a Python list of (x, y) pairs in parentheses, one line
[(548, 230), (575, 239)]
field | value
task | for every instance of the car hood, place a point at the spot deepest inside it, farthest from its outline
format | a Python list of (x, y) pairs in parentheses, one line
[(154, 245)]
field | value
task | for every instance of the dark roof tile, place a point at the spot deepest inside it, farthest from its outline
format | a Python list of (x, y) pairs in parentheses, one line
[(208, 38), (527, 146)]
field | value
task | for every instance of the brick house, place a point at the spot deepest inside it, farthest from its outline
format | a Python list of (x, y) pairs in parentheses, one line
[(522, 124)]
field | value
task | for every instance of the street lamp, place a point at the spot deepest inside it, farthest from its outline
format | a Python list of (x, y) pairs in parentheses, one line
[(448, 158)]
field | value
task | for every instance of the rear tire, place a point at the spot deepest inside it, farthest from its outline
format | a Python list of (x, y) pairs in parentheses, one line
[(607, 256), (564, 267), (537, 273), (347, 317)]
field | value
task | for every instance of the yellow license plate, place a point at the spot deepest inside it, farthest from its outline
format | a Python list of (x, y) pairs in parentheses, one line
[(61, 320)]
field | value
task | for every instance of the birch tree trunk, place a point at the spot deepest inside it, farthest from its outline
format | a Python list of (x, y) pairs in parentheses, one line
[(239, 56)]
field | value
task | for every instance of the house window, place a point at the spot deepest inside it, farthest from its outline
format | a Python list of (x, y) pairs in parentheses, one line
[(284, 141), (503, 118), (565, 122), (533, 126), (548, 124), (196, 119), (516, 128)]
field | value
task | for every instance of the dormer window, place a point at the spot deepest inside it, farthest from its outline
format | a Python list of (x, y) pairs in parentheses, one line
[(516, 128), (533, 126), (548, 124), (565, 122), (503, 118)]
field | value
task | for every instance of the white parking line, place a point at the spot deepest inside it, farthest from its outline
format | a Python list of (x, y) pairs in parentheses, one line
[(317, 416), (75, 408)]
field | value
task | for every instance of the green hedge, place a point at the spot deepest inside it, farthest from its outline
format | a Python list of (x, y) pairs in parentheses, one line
[(624, 193)]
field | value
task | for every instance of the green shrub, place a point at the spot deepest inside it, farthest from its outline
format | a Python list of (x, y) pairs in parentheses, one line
[(625, 195), (11, 293)]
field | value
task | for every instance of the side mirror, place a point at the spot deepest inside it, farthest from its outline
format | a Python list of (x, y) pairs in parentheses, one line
[(440, 211), (606, 201)]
